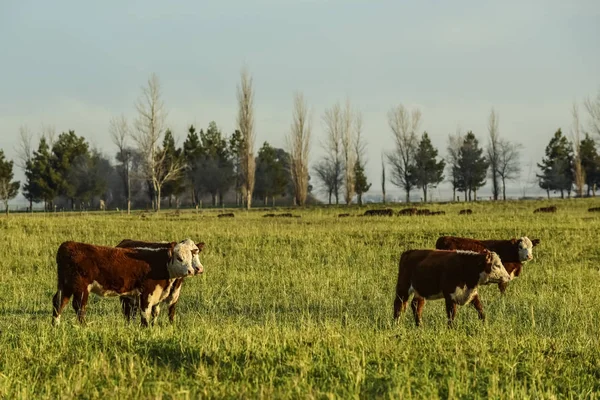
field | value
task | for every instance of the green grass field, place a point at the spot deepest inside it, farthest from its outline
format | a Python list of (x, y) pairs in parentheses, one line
[(302, 308)]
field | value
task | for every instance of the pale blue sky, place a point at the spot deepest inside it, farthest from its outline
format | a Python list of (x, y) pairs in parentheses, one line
[(74, 65)]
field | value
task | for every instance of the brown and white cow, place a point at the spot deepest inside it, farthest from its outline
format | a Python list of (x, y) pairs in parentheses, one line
[(108, 271), (451, 275), (550, 209), (513, 253), (131, 304)]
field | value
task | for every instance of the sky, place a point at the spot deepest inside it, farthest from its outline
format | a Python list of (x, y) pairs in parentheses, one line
[(74, 65)]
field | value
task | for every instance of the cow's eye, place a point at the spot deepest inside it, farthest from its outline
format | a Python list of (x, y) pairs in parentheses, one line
[(179, 259)]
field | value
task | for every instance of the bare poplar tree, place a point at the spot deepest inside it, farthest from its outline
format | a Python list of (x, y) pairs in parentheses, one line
[(383, 178), (578, 172), (245, 122), (493, 150), (348, 133), (593, 109), (404, 125), (149, 127), (455, 143), (24, 149), (333, 145), (119, 133), (299, 145), (509, 167)]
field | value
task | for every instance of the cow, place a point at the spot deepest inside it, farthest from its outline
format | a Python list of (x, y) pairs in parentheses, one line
[(343, 215), (594, 209), (424, 212), (131, 304), (467, 211), (453, 275), (438, 213), (108, 271), (551, 209), (408, 211), (226, 215), (513, 252), (387, 212)]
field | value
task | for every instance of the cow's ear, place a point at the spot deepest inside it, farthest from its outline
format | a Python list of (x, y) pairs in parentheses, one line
[(200, 246), (515, 241), (535, 242), (171, 250)]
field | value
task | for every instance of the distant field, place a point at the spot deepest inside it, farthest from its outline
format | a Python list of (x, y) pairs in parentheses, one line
[(302, 308)]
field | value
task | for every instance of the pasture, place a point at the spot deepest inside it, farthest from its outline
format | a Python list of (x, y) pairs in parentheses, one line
[(302, 308)]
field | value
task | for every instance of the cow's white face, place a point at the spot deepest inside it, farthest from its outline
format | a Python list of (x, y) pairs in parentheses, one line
[(494, 271), (525, 249), (185, 260)]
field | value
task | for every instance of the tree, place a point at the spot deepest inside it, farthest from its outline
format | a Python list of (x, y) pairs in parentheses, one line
[(299, 147), (348, 132), (382, 179), (361, 185), (593, 108), (8, 188), (66, 150), (404, 126), (215, 170), (508, 166), (119, 133), (556, 166), (245, 122), (24, 152), (426, 171), (89, 176), (236, 145), (333, 120), (330, 178), (455, 143), (149, 127), (174, 155), (493, 153), (590, 162), (192, 153), (41, 177), (578, 172), (272, 173), (472, 167)]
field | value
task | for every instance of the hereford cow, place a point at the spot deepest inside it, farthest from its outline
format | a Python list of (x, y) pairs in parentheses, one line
[(551, 209), (467, 211), (594, 209), (131, 304), (107, 271), (452, 275), (388, 212), (226, 215), (438, 213), (513, 252)]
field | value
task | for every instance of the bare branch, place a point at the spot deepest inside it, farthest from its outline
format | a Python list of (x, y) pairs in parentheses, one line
[(593, 108), (24, 149), (299, 147), (404, 128), (245, 122)]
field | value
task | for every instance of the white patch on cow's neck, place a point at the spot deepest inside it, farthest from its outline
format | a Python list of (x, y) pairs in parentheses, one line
[(146, 248), (467, 252)]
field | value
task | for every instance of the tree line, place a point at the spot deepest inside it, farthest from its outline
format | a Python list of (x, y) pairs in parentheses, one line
[(65, 171)]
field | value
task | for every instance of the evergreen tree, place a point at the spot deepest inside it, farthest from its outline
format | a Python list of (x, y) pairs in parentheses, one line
[(471, 167), (66, 150), (272, 173), (192, 152), (176, 186), (590, 162), (557, 166), (361, 186), (41, 177), (8, 188), (427, 172)]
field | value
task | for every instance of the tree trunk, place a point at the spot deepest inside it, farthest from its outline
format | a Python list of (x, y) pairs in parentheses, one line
[(474, 194), (407, 196), (157, 196), (359, 197), (128, 206), (330, 194), (214, 199), (30, 205), (503, 189), (6, 208), (562, 194), (248, 200), (548, 193), (425, 193)]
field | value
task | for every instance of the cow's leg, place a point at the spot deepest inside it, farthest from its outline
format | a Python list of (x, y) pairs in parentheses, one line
[(416, 305), (450, 311), (154, 313), (401, 299), (59, 301), (172, 312), (502, 286), (80, 299), (478, 306), (128, 307)]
